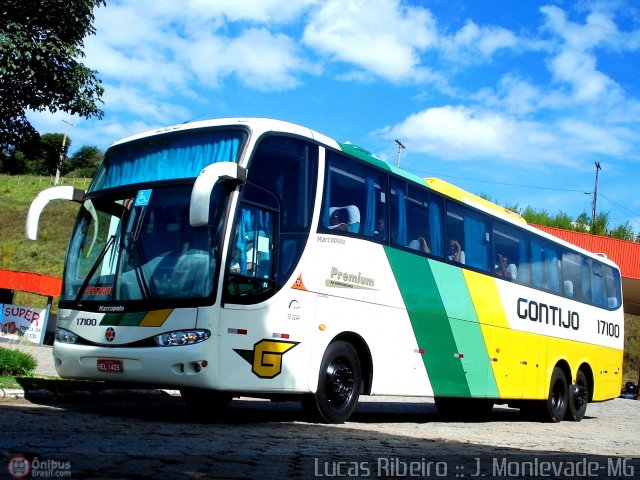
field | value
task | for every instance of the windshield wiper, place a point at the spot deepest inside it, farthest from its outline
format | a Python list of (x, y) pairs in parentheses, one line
[(98, 261), (138, 253)]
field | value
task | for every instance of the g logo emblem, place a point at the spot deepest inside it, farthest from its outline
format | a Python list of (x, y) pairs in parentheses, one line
[(266, 357)]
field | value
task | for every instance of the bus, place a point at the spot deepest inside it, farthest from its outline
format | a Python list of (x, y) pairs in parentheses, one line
[(257, 258)]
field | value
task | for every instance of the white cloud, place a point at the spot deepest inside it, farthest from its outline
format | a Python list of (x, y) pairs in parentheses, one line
[(257, 11), (379, 36), (265, 61), (579, 70), (574, 62), (166, 46), (123, 99), (454, 132), (598, 30), (512, 95), (475, 43), (465, 133), (585, 136)]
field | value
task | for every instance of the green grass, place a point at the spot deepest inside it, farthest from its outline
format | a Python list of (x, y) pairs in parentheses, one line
[(9, 381), (16, 362)]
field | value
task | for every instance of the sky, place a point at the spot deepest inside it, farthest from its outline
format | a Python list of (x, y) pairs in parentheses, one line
[(513, 99)]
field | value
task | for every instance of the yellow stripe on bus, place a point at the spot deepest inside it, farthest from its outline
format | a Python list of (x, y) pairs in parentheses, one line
[(469, 198), (155, 318), (486, 299)]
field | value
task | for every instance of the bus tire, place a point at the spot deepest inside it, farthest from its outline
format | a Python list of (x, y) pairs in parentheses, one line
[(339, 383), (578, 398), (205, 401), (554, 408)]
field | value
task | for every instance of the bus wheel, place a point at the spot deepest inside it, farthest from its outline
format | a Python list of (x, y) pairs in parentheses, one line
[(578, 398), (205, 401), (555, 406), (338, 385)]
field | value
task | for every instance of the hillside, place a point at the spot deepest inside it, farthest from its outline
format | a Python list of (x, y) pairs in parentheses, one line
[(46, 255)]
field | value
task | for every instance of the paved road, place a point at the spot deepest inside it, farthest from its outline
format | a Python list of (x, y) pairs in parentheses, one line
[(142, 435), (136, 434)]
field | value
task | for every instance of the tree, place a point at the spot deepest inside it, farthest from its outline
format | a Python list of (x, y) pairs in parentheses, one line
[(38, 156), (582, 223), (599, 226), (83, 163), (623, 232), (40, 44)]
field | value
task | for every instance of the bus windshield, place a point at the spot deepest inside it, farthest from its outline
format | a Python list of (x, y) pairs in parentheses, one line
[(138, 246)]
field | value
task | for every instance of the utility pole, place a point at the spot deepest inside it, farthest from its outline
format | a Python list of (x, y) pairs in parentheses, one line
[(400, 147), (595, 197), (64, 142)]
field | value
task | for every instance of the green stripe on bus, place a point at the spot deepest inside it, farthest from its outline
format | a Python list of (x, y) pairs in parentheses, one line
[(466, 329), (122, 319), (431, 326)]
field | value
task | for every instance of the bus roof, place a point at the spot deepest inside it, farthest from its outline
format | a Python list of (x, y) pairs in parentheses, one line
[(258, 126)]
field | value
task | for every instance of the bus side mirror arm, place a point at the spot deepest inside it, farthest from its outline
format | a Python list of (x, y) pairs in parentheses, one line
[(204, 185), (42, 199)]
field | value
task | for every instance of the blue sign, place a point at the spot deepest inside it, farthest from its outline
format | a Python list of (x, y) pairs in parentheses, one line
[(142, 199)]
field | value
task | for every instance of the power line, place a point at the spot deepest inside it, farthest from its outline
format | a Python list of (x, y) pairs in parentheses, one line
[(621, 207)]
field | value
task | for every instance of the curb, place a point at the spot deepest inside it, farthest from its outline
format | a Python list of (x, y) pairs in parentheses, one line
[(11, 393), (80, 392)]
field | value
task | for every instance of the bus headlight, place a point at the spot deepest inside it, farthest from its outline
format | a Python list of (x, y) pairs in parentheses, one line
[(182, 337), (65, 336)]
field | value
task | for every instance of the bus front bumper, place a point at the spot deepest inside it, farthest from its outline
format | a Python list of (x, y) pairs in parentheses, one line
[(180, 366)]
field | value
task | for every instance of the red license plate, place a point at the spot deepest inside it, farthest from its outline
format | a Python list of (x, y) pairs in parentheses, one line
[(110, 365)]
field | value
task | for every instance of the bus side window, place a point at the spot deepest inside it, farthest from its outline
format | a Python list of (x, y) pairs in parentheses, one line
[(251, 264), (436, 232), (416, 219), (612, 287), (355, 199), (597, 284), (398, 224), (572, 272), (545, 267), (511, 244), (470, 231)]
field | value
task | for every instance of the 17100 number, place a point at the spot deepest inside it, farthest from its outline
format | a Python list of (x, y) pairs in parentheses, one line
[(609, 329)]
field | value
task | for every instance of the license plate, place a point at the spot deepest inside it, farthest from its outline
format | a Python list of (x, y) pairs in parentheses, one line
[(110, 365)]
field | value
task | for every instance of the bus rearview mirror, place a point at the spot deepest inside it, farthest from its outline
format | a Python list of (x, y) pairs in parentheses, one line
[(42, 199), (206, 181)]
